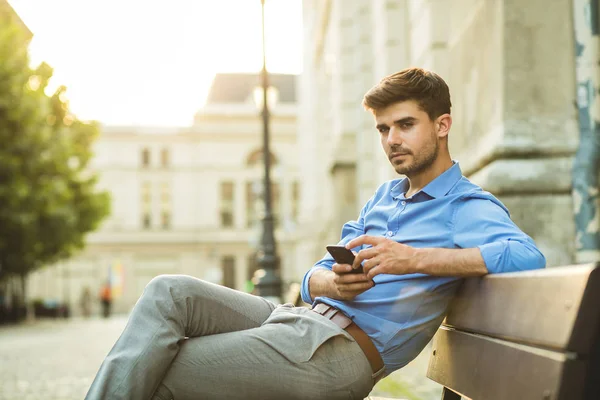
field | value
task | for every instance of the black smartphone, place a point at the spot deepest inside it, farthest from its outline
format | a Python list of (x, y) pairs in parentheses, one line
[(342, 255)]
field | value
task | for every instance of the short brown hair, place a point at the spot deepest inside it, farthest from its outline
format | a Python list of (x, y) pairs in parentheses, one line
[(427, 88)]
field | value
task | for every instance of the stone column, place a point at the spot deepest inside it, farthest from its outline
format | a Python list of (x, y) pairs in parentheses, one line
[(587, 160), (366, 136), (391, 45), (512, 82)]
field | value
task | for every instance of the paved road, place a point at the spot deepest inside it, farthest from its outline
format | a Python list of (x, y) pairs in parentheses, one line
[(58, 359), (54, 360)]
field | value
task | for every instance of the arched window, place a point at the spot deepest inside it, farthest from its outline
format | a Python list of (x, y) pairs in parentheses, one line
[(256, 157)]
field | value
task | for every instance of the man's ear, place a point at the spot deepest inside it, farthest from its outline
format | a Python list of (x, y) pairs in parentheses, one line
[(443, 124)]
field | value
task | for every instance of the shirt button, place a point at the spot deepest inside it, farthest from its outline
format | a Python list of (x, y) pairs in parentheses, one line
[(390, 233), (403, 203)]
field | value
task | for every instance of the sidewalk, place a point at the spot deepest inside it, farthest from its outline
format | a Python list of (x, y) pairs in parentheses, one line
[(57, 360), (54, 359), (410, 382)]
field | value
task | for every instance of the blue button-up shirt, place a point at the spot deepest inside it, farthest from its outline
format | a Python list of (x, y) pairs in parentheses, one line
[(401, 313)]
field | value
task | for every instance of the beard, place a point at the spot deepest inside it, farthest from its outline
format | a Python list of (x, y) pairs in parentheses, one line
[(419, 163)]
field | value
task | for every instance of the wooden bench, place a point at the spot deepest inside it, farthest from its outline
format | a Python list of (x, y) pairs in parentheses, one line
[(525, 335)]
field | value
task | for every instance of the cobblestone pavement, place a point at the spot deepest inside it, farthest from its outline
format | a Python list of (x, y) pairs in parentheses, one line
[(54, 359), (58, 359)]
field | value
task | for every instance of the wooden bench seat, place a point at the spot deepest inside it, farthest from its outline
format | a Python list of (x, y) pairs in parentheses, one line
[(524, 335)]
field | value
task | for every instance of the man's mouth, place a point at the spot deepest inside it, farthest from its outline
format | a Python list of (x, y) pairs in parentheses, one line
[(400, 154)]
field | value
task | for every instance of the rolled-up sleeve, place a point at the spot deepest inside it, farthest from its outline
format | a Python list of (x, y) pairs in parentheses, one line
[(350, 230), (486, 224)]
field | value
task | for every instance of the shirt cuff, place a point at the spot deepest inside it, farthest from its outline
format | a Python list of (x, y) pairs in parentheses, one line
[(305, 292), (492, 254)]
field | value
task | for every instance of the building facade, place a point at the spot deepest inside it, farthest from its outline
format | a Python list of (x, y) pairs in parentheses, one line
[(187, 200), (510, 69)]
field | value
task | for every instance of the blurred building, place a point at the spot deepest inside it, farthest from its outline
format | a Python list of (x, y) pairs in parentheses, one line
[(510, 68), (188, 201)]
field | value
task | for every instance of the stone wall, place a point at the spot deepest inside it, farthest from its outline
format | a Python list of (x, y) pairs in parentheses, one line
[(510, 68), (511, 72)]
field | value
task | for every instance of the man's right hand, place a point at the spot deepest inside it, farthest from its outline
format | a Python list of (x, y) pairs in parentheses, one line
[(338, 283)]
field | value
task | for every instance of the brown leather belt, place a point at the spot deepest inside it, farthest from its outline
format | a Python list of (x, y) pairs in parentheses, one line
[(363, 340)]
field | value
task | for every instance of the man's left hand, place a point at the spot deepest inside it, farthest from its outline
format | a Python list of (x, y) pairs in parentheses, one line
[(384, 257)]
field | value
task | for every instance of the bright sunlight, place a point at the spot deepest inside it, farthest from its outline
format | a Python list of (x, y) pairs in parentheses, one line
[(151, 62)]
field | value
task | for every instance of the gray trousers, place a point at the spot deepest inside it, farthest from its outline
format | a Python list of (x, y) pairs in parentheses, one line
[(190, 339)]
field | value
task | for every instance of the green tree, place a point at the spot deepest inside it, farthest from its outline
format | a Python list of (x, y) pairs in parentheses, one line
[(48, 195)]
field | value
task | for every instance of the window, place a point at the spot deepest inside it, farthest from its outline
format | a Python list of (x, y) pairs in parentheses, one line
[(295, 200), (164, 158), (165, 205), (256, 158), (227, 204), (255, 206), (146, 157), (228, 268), (146, 200), (146, 221), (252, 197)]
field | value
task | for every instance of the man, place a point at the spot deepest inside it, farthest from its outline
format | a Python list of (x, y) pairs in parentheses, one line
[(106, 298), (416, 238)]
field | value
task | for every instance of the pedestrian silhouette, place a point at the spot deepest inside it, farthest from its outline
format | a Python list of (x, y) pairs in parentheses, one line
[(106, 299)]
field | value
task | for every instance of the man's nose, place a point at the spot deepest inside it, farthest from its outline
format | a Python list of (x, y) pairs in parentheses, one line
[(394, 137)]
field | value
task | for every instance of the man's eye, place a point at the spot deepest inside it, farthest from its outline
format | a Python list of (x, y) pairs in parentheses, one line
[(406, 126), (383, 130)]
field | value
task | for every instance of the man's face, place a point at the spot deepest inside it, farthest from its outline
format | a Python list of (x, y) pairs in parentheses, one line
[(408, 137)]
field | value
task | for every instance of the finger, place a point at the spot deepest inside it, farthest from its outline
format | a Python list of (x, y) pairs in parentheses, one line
[(364, 239), (374, 271), (370, 264), (364, 254), (341, 268), (343, 279), (356, 287)]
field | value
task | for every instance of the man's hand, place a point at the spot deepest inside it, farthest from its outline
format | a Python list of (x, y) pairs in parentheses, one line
[(385, 256), (338, 283), (389, 257), (349, 285)]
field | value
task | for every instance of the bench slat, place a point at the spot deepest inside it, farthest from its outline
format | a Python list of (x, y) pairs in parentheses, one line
[(556, 308), (479, 367)]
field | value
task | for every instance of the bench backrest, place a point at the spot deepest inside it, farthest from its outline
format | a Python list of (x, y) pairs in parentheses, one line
[(524, 335)]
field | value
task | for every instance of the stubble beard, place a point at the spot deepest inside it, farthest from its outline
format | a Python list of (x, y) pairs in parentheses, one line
[(420, 163)]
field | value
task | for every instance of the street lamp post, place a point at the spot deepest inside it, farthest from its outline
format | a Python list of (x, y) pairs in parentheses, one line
[(267, 281)]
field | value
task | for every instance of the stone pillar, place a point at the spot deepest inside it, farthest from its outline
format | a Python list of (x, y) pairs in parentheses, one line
[(344, 181), (310, 137), (515, 132), (367, 146), (587, 160), (391, 44)]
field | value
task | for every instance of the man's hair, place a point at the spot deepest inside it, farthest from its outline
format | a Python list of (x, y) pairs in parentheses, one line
[(427, 88)]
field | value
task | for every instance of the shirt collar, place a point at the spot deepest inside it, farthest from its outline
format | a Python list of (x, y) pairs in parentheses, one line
[(438, 187)]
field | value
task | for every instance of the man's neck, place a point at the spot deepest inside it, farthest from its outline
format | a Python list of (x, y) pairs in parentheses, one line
[(419, 181)]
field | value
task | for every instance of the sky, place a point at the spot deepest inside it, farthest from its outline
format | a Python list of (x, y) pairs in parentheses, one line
[(151, 62)]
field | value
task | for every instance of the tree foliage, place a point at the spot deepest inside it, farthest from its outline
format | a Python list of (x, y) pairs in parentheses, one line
[(48, 195)]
